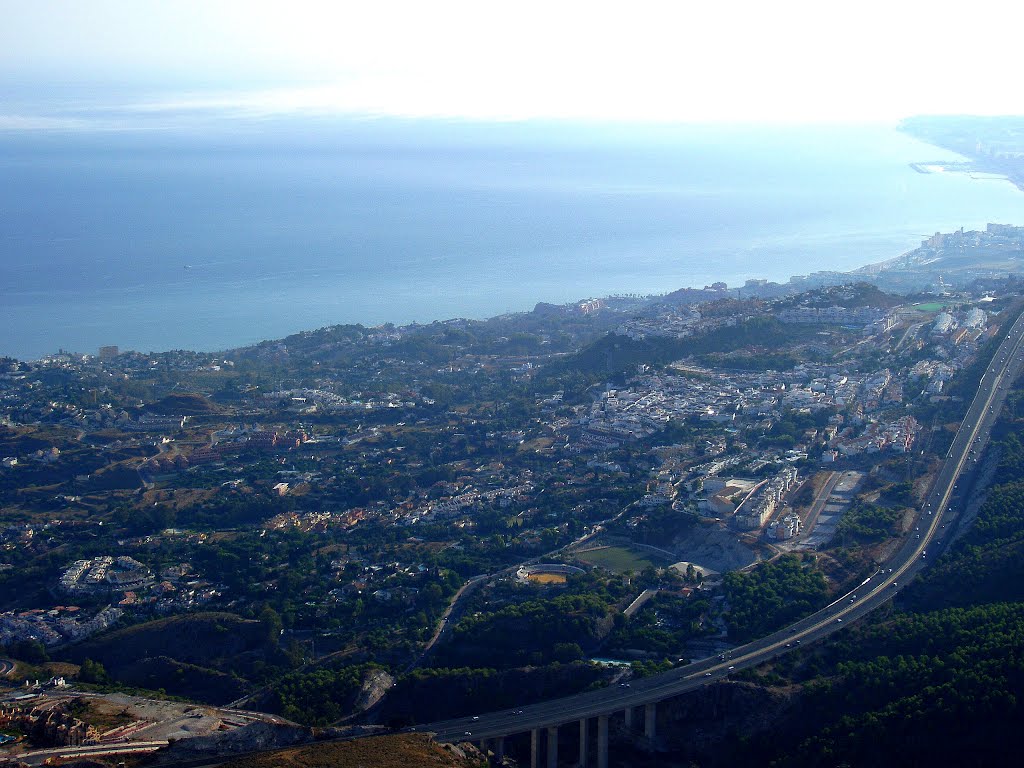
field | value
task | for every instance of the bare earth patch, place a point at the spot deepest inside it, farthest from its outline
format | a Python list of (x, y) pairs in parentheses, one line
[(378, 752)]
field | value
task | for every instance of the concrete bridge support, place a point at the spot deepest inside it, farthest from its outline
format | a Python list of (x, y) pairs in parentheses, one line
[(553, 746), (535, 748), (499, 749), (629, 717), (584, 741), (602, 741), (650, 720)]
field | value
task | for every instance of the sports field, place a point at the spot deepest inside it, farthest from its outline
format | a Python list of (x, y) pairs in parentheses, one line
[(621, 559)]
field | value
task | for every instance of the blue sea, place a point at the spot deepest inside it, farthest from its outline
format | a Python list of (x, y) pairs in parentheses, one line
[(189, 239)]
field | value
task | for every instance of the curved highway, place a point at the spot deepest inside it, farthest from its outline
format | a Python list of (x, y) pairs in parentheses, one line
[(930, 527)]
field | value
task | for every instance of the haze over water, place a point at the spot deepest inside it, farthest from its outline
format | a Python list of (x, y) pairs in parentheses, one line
[(157, 240)]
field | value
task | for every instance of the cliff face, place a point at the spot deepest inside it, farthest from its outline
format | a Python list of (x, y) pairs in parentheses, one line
[(702, 727), (376, 685)]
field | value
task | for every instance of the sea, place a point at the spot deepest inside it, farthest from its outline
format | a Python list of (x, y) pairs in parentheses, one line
[(211, 239)]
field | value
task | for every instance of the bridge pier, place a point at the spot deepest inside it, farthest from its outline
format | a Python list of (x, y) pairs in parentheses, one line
[(602, 741), (629, 717), (535, 748), (552, 746), (499, 749), (650, 720), (584, 722)]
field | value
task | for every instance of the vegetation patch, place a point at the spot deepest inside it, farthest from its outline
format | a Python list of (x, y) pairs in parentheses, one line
[(320, 696), (205, 639), (865, 523), (772, 595)]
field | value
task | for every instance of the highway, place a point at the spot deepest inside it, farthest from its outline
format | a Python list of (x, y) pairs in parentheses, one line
[(930, 526)]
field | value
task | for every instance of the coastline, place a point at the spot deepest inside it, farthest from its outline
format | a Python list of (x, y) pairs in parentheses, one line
[(463, 233)]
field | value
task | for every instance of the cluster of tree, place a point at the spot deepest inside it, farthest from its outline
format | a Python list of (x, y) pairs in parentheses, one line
[(864, 523), (614, 355), (746, 361), (532, 632), (662, 626), (321, 696), (790, 429), (772, 595), (92, 672), (944, 686)]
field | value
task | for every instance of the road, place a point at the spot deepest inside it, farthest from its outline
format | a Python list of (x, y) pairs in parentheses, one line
[(40, 756), (443, 623), (819, 503), (877, 589)]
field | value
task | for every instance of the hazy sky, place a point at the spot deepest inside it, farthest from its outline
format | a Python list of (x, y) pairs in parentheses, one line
[(684, 60)]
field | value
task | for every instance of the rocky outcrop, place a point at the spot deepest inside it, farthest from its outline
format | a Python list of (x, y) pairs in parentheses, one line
[(376, 684), (250, 738)]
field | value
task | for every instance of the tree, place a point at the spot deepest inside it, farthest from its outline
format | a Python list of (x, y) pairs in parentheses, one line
[(92, 672), (31, 651), (272, 625)]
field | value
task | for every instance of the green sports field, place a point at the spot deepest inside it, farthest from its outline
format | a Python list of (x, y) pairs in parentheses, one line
[(622, 559)]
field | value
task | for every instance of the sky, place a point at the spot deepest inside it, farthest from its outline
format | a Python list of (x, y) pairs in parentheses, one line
[(67, 64)]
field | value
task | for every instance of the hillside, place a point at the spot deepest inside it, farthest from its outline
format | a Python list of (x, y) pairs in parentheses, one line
[(183, 404), (188, 656), (379, 752)]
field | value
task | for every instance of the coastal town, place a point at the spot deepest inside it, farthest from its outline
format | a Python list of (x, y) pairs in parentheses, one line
[(369, 495)]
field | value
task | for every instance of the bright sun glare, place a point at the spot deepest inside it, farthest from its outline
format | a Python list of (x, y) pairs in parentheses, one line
[(660, 61)]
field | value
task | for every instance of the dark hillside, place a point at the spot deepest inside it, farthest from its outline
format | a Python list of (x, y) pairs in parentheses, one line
[(184, 404), (206, 639)]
